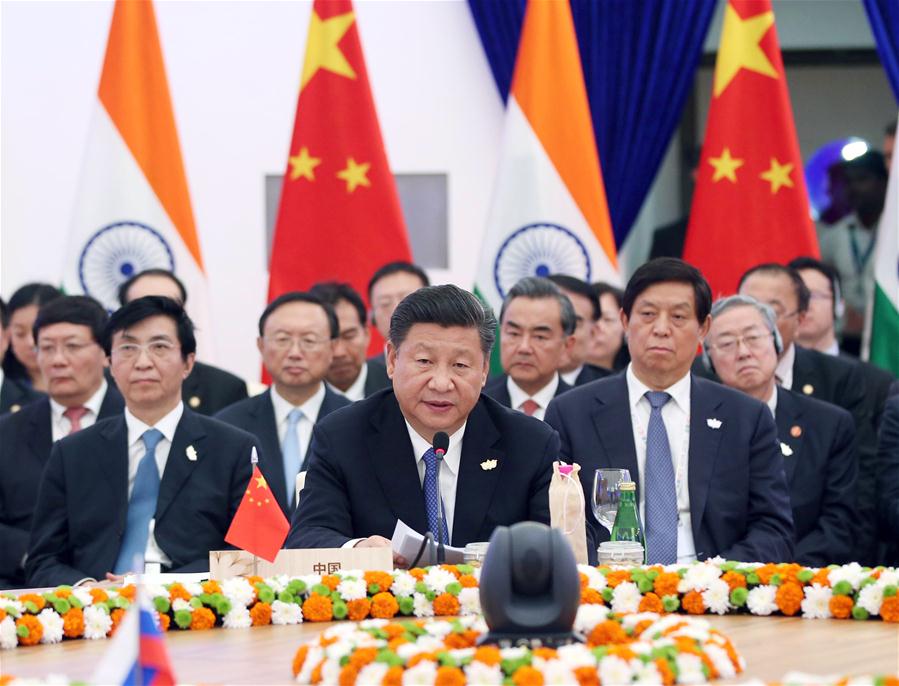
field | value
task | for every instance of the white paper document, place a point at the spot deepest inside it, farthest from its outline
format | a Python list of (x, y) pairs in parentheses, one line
[(410, 544)]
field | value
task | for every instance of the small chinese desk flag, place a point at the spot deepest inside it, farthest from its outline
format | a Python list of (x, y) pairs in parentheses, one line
[(259, 526)]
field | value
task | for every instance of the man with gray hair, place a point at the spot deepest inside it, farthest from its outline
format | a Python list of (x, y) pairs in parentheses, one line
[(816, 439), (537, 323), (375, 461)]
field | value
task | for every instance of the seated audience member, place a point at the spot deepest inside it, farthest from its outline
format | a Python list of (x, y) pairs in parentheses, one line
[(297, 334), (712, 487), (832, 379), (208, 389), (20, 362), (159, 481), (350, 374), (386, 288), (575, 370), (69, 335), (13, 395), (608, 350), (536, 334), (888, 469), (373, 463), (817, 439)]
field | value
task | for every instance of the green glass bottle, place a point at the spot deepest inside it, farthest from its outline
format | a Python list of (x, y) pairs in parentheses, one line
[(627, 526)]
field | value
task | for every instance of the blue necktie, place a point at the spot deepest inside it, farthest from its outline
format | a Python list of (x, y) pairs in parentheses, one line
[(430, 490), (660, 495), (290, 450), (142, 505)]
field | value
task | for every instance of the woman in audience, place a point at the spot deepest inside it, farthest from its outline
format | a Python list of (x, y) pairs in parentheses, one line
[(608, 349), (20, 362)]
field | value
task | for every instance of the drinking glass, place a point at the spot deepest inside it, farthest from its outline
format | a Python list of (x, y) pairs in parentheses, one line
[(605, 494)]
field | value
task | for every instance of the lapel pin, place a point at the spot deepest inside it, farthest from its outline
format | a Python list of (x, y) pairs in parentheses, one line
[(713, 423), (796, 431), (15, 407), (191, 453), (487, 465), (194, 401), (808, 389), (785, 449)]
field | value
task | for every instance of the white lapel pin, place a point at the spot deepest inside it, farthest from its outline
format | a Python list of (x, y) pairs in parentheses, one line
[(487, 465), (713, 423), (191, 453), (785, 449)]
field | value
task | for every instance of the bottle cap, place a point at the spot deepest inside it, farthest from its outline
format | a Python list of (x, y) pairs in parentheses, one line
[(565, 468), (627, 486)]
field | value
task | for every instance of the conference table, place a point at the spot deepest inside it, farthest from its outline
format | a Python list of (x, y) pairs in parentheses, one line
[(772, 647)]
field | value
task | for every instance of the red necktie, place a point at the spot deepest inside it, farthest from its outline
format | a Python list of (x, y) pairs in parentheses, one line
[(529, 407), (74, 415)]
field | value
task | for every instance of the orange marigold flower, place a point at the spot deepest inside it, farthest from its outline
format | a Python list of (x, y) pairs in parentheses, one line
[(765, 572), (821, 578), (651, 603), (840, 606), (253, 580), (383, 579), (889, 609), (465, 639), (347, 676), (331, 581), (357, 610), (446, 605), (734, 580), (204, 618), (623, 652), (395, 643), (393, 630), (452, 569), (99, 595), (546, 653), (666, 583), (116, 616), (62, 592), (73, 623), (468, 581), (489, 655), (891, 681), (527, 676), (590, 596), (418, 573), (211, 586), (664, 671), (449, 676), (789, 598), (2, 615), (707, 661), (790, 571), (619, 576), (261, 614), (176, 590), (607, 633), (384, 606), (318, 608), (420, 657), (316, 676), (693, 603), (586, 676), (129, 592), (642, 626), (34, 598), (164, 621), (583, 579), (299, 659), (393, 677), (35, 630), (6, 679), (362, 656)]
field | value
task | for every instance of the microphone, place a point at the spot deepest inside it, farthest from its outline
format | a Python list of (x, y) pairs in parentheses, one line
[(441, 445)]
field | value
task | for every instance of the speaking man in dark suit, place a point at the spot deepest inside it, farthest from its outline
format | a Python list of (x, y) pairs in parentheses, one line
[(537, 323), (69, 335), (350, 373), (817, 439), (705, 458), (297, 337), (575, 370), (373, 462), (13, 395), (158, 482), (207, 389)]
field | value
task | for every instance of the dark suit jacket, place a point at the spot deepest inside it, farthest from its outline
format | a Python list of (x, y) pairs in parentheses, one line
[(591, 372), (668, 240), (739, 503), (82, 505), (888, 471), (208, 389), (257, 416), (497, 389), (877, 385), (377, 377), (821, 465), (363, 475), (25, 442), (14, 395)]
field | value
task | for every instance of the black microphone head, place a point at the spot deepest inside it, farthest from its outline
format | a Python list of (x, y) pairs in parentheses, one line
[(441, 442)]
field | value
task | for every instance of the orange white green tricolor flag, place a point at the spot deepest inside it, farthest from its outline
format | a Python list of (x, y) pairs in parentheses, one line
[(549, 213), (133, 209)]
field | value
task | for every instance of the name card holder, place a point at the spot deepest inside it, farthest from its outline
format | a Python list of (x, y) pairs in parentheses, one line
[(224, 564)]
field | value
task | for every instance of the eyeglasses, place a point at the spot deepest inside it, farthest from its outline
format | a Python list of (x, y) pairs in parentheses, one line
[(305, 343), (67, 349), (785, 315), (753, 341), (155, 349)]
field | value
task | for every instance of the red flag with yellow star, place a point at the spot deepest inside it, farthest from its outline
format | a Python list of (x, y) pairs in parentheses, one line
[(750, 205), (259, 526), (340, 216)]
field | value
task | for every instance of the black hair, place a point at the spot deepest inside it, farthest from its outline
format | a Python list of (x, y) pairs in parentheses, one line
[(602, 288), (140, 309), (332, 292), (29, 294), (123, 289), (890, 129), (301, 297), (446, 306), (667, 269), (396, 268), (538, 288), (73, 309), (803, 295), (576, 285), (4, 315), (831, 274), (871, 161)]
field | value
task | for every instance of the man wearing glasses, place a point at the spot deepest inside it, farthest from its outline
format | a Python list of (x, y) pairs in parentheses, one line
[(158, 482), (68, 331), (816, 439), (297, 337)]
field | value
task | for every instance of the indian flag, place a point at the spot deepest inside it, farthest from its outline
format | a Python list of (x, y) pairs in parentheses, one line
[(884, 338), (133, 209), (549, 212)]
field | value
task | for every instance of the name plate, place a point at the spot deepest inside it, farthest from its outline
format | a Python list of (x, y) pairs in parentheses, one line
[(224, 564)]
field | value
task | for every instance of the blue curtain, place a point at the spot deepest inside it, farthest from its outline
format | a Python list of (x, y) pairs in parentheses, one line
[(884, 18), (639, 58)]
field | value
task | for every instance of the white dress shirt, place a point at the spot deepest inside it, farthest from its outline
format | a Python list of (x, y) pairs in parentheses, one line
[(772, 402), (542, 397), (310, 410), (676, 416), (834, 349), (784, 370), (571, 377), (357, 390), (61, 426)]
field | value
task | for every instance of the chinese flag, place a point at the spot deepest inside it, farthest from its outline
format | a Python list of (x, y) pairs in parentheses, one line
[(340, 216), (750, 205), (259, 526)]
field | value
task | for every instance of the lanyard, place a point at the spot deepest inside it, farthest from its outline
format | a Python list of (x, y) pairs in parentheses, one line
[(860, 260)]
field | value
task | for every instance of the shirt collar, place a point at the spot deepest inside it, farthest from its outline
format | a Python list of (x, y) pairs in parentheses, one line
[(772, 402), (834, 349), (167, 425), (784, 370), (541, 397), (453, 456), (310, 408), (93, 403), (356, 391), (679, 390), (571, 377)]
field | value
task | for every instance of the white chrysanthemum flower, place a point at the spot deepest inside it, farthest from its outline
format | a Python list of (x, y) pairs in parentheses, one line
[(12, 607), (286, 613), (816, 604), (513, 653), (557, 673), (430, 644), (373, 623), (870, 598), (470, 601), (689, 669), (421, 606), (717, 597), (641, 647), (853, 573), (422, 674), (647, 674), (278, 583), (83, 595), (52, 624), (614, 670), (239, 591), (331, 672), (181, 604), (8, 637), (403, 584), (588, 616), (238, 617), (311, 579), (479, 673), (372, 673), (438, 629), (760, 600), (595, 579), (194, 588), (352, 589), (721, 661), (577, 655), (408, 650), (313, 657), (631, 620), (97, 622), (340, 649), (699, 576), (626, 598), (438, 579), (888, 577)]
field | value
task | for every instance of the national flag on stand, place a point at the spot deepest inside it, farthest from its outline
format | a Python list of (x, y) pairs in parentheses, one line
[(750, 204), (259, 526), (549, 213), (884, 336), (340, 216), (133, 209)]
